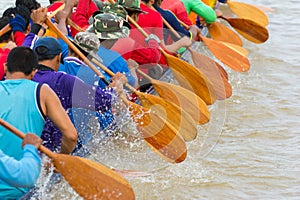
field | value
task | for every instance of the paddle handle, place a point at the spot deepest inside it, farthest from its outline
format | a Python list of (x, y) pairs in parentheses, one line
[(74, 25), (72, 46), (7, 28), (21, 135), (109, 72)]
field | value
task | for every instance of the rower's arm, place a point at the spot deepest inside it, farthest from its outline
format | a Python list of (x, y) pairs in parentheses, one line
[(53, 109)]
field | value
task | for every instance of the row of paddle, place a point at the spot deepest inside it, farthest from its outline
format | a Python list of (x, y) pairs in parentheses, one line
[(166, 127), (166, 121)]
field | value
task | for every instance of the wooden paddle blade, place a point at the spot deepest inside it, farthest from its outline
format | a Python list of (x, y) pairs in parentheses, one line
[(159, 134), (222, 33), (91, 180), (222, 71), (237, 48), (247, 11), (182, 122), (232, 58), (208, 67), (249, 29), (187, 100), (192, 79)]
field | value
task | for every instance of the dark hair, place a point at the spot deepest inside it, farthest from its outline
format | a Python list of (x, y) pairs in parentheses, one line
[(9, 12), (22, 59), (42, 53), (21, 10), (130, 12), (30, 4), (146, 1), (3, 22), (52, 1)]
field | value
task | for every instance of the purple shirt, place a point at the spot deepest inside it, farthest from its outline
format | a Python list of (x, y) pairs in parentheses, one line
[(72, 92)]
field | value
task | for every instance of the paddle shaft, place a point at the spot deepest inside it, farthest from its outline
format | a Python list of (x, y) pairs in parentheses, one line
[(73, 47), (22, 135)]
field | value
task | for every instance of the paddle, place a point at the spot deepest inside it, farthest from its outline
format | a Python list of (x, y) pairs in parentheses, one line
[(89, 179), (173, 113), (221, 85), (222, 33), (158, 133), (230, 57), (220, 82), (182, 97), (249, 29), (7, 28), (247, 11), (187, 75)]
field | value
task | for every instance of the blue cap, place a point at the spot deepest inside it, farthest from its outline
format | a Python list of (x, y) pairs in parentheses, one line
[(51, 44)]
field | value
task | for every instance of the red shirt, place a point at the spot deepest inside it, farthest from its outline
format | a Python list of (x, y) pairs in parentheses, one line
[(3, 57), (84, 10), (177, 7), (129, 48), (151, 23), (19, 38)]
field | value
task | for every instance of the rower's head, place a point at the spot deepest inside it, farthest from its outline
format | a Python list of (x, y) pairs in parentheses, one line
[(115, 9), (21, 10), (21, 59), (49, 52), (108, 26), (87, 41), (132, 7), (30, 4), (158, 2), (7, 36)]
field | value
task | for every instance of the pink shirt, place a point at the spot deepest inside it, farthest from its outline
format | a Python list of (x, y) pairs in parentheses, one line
[(177, 7)]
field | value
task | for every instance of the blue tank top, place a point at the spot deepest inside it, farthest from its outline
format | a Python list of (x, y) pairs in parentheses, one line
[(19, 106)]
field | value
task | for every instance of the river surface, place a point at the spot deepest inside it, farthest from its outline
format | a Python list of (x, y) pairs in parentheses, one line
[(250, 149)]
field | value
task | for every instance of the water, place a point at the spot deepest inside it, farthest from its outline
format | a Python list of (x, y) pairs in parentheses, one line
[(250, 149)]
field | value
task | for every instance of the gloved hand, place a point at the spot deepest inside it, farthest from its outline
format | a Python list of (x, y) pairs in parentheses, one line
[(152, 37), (17, 23)]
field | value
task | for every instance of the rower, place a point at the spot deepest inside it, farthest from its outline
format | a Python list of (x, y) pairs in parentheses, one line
[(72, 91), (26, 104)]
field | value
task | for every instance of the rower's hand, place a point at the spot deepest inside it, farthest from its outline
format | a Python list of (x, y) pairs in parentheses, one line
[(118, 80), (195, 30), (10, 45), (132, 64), (39, 16), (32, 139), (152, 37)]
